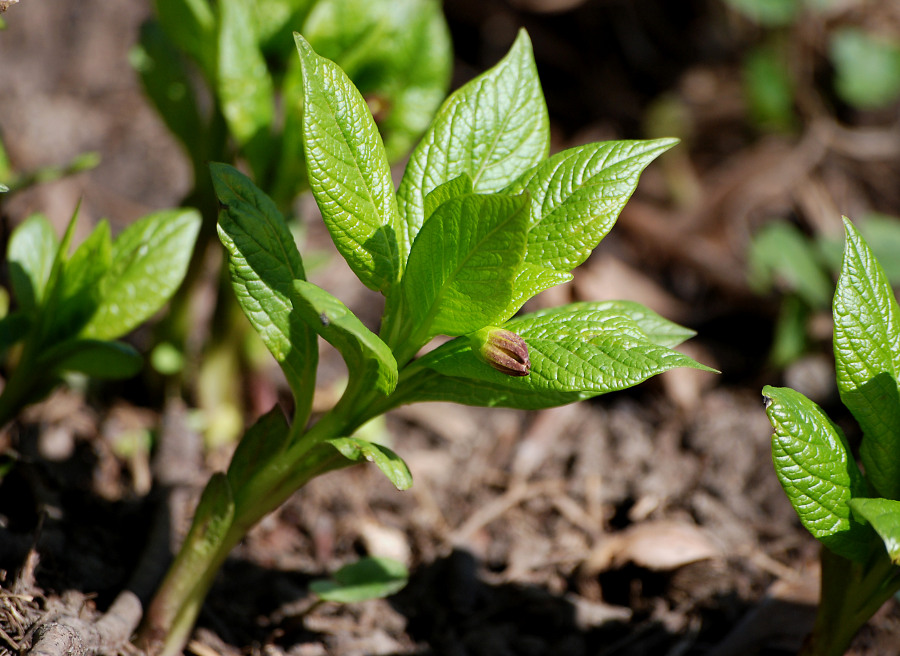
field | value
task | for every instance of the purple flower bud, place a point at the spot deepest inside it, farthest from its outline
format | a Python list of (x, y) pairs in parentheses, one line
[(503, 349)]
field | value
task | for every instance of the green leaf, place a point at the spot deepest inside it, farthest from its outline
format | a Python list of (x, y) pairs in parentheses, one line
[(867, 360), (191, 25), (576, 352), (348, 171), (398, 54), (816, 470), (261, 443), (769, 88), (264, 262), (867, 67), (369, 360), (166, 81), (577, 196), (884, 516), (493, 129), (367, 578), (768, 12), (390, 464), (31, 252), (149, 261), (460, 186), (244, 85), (79, 284), (13, 328), (96, 358), (460, 270), (782, 257)]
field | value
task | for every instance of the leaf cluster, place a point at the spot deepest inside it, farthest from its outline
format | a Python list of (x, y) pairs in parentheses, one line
[(398, 53), (856, 515), (71, 307)]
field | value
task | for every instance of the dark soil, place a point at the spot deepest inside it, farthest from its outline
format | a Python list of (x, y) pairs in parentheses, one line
[(643, 522)]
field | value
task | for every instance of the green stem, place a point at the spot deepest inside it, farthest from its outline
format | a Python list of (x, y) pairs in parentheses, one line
[(851, 593)]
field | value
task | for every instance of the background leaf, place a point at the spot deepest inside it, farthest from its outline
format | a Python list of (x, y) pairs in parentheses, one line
[(348, 171), (816, 470), (79, 286), (867, 360), (367, 578), (149, 260), (390, 464), (398, 53), (264, 262), (31, 253), (96, 358), (460, 270), (493, 129), (244, 85), (884, 517), (191, 25), (166, 81)]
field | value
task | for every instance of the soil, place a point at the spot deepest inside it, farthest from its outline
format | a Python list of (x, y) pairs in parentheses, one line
[(643, 522)]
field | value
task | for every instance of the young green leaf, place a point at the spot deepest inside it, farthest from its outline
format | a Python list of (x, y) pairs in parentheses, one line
[(493, 129), (884, 517), (390, 464), (149, 260), (576, 352), (367, 578), (577, 196), (166, 81), (191, 24), (398, 53), (867, 360), (816, 470), (78, 285), (96, 358), (460, 270), (245, 87), (348, 171), (459, 186), (31, 252), (264, 263), (370, 362)]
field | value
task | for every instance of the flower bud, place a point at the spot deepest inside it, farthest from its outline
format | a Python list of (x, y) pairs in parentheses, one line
[(503, 349)]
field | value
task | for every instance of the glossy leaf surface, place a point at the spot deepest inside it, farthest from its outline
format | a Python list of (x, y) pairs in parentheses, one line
[(460, 271), (576, 352), (493, 129), (348, 171), (367, 578), (264, 262), (390, 464), (884, 516), (867, 360), (816, 470)]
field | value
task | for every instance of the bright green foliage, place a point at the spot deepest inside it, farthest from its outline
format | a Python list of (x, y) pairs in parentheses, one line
[(367, 578), (461, 268), (481, 222), (492, 129), (70, 307), (398, 53), (884, 516), (348, 171), (816, 468), (867, 360)]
